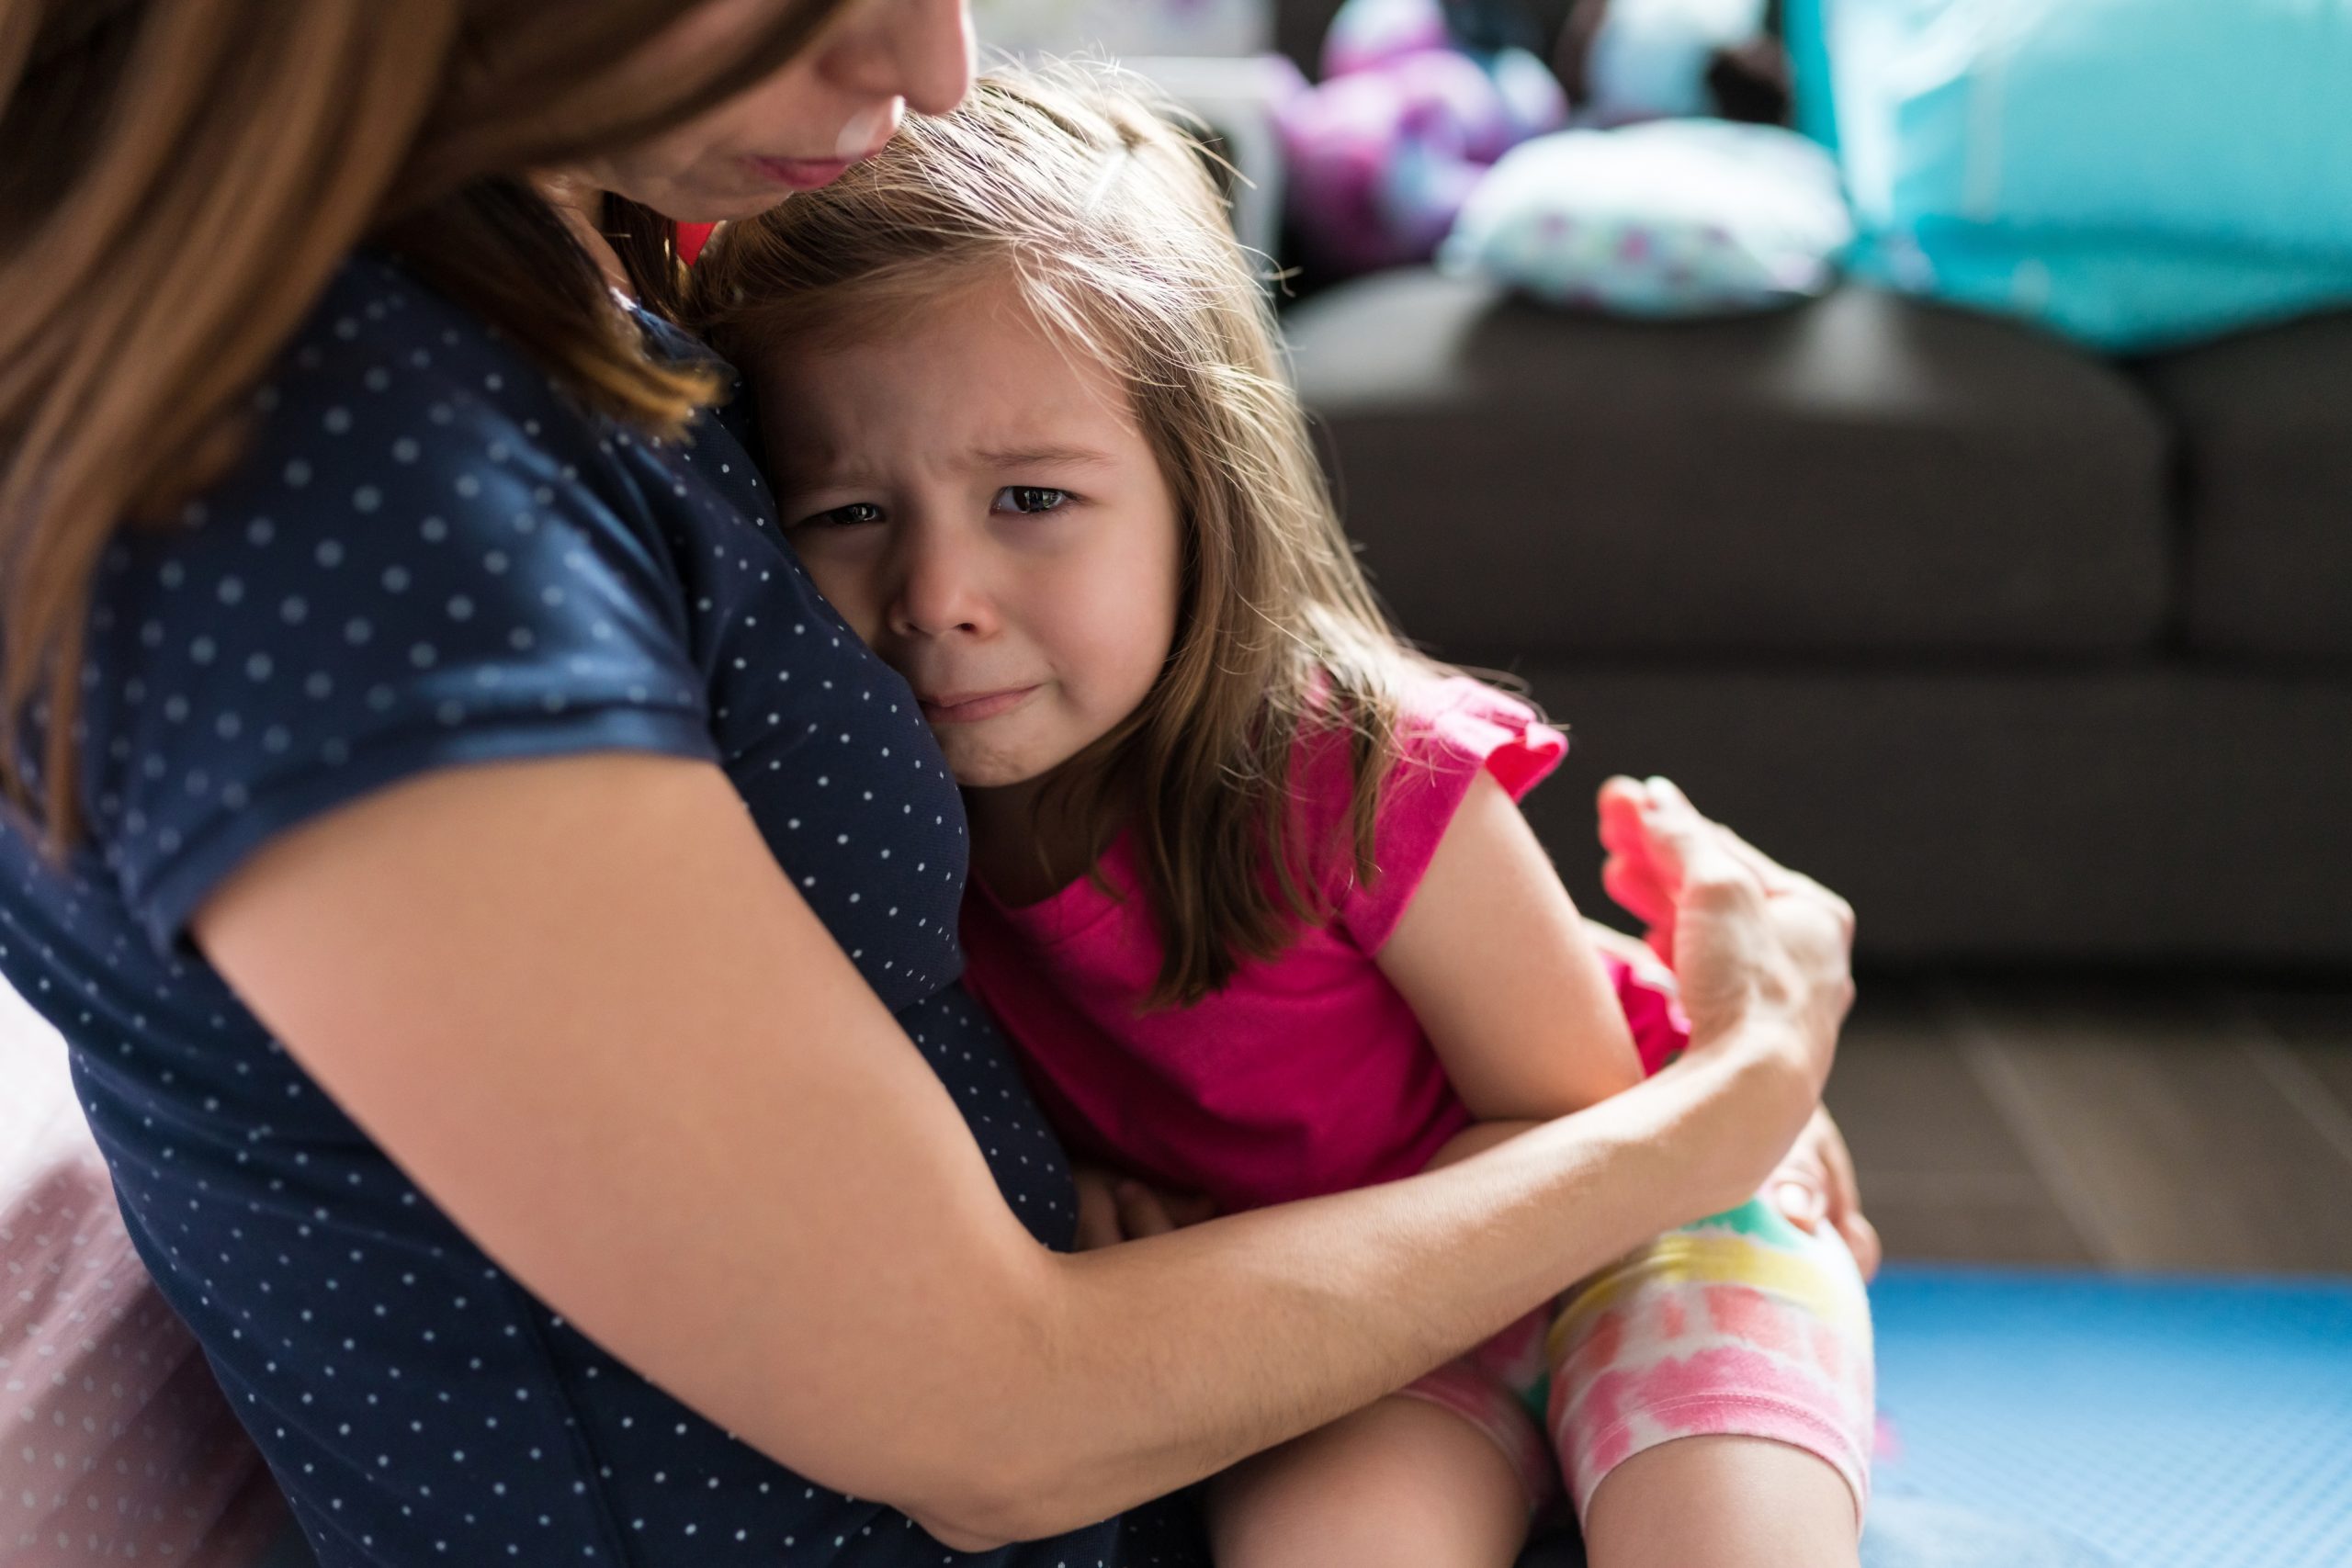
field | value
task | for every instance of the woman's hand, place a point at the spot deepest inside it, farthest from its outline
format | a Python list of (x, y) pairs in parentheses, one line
[(1113, 1208), (1746, 936), (1815, 1182)]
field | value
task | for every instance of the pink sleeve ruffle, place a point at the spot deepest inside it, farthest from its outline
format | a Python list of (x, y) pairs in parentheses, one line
[(1452, 730)]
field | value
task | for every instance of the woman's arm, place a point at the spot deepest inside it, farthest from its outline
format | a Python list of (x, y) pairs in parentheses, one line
[(578, 1004)]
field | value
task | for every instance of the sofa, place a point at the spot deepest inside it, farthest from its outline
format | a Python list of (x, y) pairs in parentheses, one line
[(2040, 659)]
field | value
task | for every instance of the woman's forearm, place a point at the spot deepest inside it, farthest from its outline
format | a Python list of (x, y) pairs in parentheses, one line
[(1164, 1360), (1476, 1139)]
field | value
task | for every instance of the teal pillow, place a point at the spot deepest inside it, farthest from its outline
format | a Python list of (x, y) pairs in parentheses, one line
[(1676, 217), (2137, 174), (1804, 30), (2118, 295)]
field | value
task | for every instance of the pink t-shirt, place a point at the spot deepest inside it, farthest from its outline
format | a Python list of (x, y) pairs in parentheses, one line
[(1306, 1074)]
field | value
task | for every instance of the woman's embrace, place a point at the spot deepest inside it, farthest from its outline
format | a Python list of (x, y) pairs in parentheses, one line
[(505, 920)]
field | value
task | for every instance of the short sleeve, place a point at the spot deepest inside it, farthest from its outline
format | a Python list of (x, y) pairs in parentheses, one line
[(425, 559), (1450, 730)]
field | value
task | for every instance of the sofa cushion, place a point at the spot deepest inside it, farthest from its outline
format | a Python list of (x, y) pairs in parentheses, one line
[(2265, 423), (2140, 813), (1861, 474)]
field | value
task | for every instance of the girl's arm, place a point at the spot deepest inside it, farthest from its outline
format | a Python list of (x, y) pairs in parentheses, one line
[(1505, 978), (579, 1003)]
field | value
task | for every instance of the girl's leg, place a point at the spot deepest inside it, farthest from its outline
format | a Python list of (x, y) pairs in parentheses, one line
[(1712, 1401), (1726, 1502), (1401, 1484)]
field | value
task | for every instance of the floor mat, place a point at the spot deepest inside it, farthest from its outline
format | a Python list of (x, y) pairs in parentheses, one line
[(2173, 1423)]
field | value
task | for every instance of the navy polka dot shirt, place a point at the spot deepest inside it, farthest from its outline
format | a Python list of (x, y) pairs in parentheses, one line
[(429, 556)]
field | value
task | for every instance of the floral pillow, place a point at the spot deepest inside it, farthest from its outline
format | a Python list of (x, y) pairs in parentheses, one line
[(1680, 217)]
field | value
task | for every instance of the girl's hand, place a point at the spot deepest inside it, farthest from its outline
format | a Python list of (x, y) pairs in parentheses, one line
[(1745, 935), (1815, 1182), (1113, 1208)]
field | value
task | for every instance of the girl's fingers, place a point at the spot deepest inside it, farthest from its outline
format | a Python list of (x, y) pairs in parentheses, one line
[(1800, 1201), (1816, 1183), (1845, 1190), (1191, 1210), (1803, 1188), (1141, 1212), (1098, 1211), (1845, 1197), (1861, 1240)]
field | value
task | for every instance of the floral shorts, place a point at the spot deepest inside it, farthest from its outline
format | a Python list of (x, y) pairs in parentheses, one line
[(1737, 1325)]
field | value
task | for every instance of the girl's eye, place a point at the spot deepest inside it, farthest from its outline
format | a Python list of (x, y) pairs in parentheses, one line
[(1031, 498), (848, 516)]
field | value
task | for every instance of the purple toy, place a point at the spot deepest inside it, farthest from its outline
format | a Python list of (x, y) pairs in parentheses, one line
[(1384, 152)]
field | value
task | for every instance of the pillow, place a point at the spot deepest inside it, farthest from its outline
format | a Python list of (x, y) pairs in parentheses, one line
[(2135, 172), (114, 1442), (1680, 218), (1804, 30)]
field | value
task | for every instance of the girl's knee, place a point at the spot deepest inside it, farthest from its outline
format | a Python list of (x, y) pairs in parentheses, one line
[(1402, 1482), (1728, 1500)]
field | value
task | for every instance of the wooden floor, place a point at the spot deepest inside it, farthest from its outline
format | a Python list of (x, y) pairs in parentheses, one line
[(2130, 1124)]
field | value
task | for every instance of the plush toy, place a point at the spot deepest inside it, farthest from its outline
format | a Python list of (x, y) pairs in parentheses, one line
[(1625, 60), (1418, 101)]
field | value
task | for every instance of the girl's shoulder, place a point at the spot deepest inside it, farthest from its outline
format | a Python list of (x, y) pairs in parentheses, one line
[(1446, 730), (1443, 724), (1457, 724)]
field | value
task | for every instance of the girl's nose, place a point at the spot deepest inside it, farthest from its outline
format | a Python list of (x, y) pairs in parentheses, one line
[(940, 589), (917, 50)]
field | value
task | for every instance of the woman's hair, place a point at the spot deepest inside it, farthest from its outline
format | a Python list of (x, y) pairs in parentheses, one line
[(183, 178), (1108, 222)]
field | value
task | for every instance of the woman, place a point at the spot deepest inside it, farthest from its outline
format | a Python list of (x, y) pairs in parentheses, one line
[(504, 921)]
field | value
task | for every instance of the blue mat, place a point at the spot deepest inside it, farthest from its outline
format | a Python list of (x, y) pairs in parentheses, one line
[(2173, 1423)]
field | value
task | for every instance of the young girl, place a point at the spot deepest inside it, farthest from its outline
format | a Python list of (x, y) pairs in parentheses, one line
[(1250, 890)]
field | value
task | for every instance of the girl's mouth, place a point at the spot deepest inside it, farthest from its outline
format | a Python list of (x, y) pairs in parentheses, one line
[(969, 708)]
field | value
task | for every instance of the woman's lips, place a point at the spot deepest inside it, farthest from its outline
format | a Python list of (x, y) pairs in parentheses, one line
[(969, 708), (801, 173)]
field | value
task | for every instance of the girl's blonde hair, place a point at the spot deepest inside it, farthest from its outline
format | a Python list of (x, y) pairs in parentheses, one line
[(179, 180), (1108, 221)]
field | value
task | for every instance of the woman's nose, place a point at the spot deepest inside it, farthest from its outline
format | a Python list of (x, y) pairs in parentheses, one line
[(917, 50)]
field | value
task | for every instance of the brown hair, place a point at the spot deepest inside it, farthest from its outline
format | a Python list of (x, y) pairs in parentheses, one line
[(184, 178), (1108, 222)]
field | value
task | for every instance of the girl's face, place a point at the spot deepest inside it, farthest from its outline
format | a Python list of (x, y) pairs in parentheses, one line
[(837, 102), (984, 510)]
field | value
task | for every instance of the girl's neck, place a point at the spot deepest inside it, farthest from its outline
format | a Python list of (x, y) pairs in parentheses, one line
[(1017, 854)]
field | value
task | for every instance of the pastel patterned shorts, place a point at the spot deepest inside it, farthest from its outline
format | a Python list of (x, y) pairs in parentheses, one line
[(1739, 1325)]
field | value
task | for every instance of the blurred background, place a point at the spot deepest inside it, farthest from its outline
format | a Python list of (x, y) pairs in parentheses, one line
[(1923, 429)]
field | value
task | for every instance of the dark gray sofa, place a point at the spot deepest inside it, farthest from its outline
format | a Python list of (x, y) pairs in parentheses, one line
[(2037, 658)]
